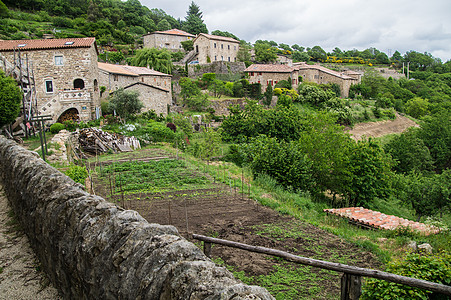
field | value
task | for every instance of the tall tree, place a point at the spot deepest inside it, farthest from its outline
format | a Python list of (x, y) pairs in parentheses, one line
[(126, 103), (159, 60), (193, 21)]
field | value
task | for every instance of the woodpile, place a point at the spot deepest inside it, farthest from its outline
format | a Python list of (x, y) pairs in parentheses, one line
[(96, 141)]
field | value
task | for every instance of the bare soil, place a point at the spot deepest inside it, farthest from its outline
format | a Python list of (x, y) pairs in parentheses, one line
[(381, 128), (227, 214)]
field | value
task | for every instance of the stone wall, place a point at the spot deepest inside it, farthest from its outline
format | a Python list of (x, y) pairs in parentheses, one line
[(93, 249), (219, 67)]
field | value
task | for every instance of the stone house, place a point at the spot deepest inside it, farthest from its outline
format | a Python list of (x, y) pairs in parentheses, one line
[(65, 75), (323, 75), (154, 87), (210, 48), (169, 39), (271, 74)]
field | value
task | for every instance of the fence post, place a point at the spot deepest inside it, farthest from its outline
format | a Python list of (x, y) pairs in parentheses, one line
[(351, 287)]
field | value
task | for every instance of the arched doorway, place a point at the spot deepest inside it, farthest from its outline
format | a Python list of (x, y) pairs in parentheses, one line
[(79, 84), (70, 114)]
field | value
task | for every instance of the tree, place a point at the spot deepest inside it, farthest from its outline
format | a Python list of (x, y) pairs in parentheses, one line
[(410, 153), (244, 53), (268, 95), (159, 60), (367, 173), (317, 53), (189, 88), (297, 47), (382, 58), (193, 21), (126, 103), (264, 52), (3, 10), (225, 34), (188, 45), (396, 57), (300, 56), (10, 100), (417, 107), (163, 25)]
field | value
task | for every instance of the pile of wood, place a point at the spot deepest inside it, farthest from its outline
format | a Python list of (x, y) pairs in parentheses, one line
[(96, 141)]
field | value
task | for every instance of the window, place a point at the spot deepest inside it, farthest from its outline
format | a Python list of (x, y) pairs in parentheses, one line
[(49, 86), (260, 73), (228, 47), (79, 84), (229, 58), (215, 45), (251, 74), (222, 46), (234, 47), (115, 77), (58, 60), (222, 58), (216, 57)]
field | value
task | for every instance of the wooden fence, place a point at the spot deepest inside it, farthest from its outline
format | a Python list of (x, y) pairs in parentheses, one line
[(351, 280)]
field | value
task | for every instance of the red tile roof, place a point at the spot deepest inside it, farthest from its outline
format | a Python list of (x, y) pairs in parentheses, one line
[(217, 37), (129, 70), (304, 66), (24, 45), (174, 32), (379, 220), (269, 68)]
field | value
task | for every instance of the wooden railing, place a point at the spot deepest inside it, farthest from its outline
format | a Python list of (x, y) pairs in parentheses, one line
[(351, 280)]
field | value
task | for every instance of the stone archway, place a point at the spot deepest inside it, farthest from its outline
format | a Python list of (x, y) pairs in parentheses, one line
[(70, 114)]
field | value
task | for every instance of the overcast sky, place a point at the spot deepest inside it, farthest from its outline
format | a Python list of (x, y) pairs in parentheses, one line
[(388, 25)]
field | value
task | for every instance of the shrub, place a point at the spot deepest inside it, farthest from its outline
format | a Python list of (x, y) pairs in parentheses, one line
[(70, 125), (57, 127), (435, 268), (77, 173)]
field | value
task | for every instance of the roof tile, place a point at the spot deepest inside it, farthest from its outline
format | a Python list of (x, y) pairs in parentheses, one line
[(23, 45)]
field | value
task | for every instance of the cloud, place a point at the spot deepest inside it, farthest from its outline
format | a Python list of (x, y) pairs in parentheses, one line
[(401, 25)]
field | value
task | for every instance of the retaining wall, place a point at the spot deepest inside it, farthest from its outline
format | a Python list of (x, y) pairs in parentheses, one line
[(92, 249)]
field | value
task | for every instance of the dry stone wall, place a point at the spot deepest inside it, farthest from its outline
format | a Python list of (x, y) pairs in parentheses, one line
[(92, 249)]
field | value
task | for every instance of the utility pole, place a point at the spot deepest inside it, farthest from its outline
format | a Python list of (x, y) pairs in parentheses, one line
[(408, 70)]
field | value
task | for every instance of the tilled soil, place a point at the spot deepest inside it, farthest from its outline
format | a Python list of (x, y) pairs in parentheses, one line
[(223, 213)]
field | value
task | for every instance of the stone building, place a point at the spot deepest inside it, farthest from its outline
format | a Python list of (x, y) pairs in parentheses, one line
[(323, 75), (154, 87), (169, 39), (210, 48), (65, 75), (271, 74)]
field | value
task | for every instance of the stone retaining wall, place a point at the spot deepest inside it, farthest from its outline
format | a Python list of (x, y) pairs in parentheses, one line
[(93, 249)]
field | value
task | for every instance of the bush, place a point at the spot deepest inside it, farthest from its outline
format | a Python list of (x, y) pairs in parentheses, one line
[(435, 268), (77, 173), (57, 127)]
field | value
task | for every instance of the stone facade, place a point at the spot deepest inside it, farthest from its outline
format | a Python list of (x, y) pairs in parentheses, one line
[(322, 75), (271, 74), (152, 97), (93, 249), (65, 74), (211, 48), (169, 39), (154, 87)]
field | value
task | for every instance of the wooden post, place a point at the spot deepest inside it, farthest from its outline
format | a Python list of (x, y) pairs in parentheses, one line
[(351, 287), (207, 249)]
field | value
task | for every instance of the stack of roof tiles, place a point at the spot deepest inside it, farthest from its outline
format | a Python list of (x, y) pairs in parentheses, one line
[(379, 220)]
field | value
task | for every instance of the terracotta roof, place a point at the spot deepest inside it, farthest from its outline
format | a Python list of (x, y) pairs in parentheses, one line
[(217, 37), (379, 220), (174, 32), (145, 84), (304, 66), (23, 45), (129, 70), (269, 68)]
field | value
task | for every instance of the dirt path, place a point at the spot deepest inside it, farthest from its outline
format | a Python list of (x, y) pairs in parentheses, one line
[(20, 277), (381, 128)]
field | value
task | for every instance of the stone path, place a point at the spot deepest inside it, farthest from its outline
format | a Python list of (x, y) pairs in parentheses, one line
[(20, 277)]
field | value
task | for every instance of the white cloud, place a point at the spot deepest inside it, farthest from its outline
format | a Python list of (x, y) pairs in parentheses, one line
[(401, 25)]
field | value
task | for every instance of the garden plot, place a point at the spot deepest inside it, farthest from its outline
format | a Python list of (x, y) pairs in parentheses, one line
[(175, 192)]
